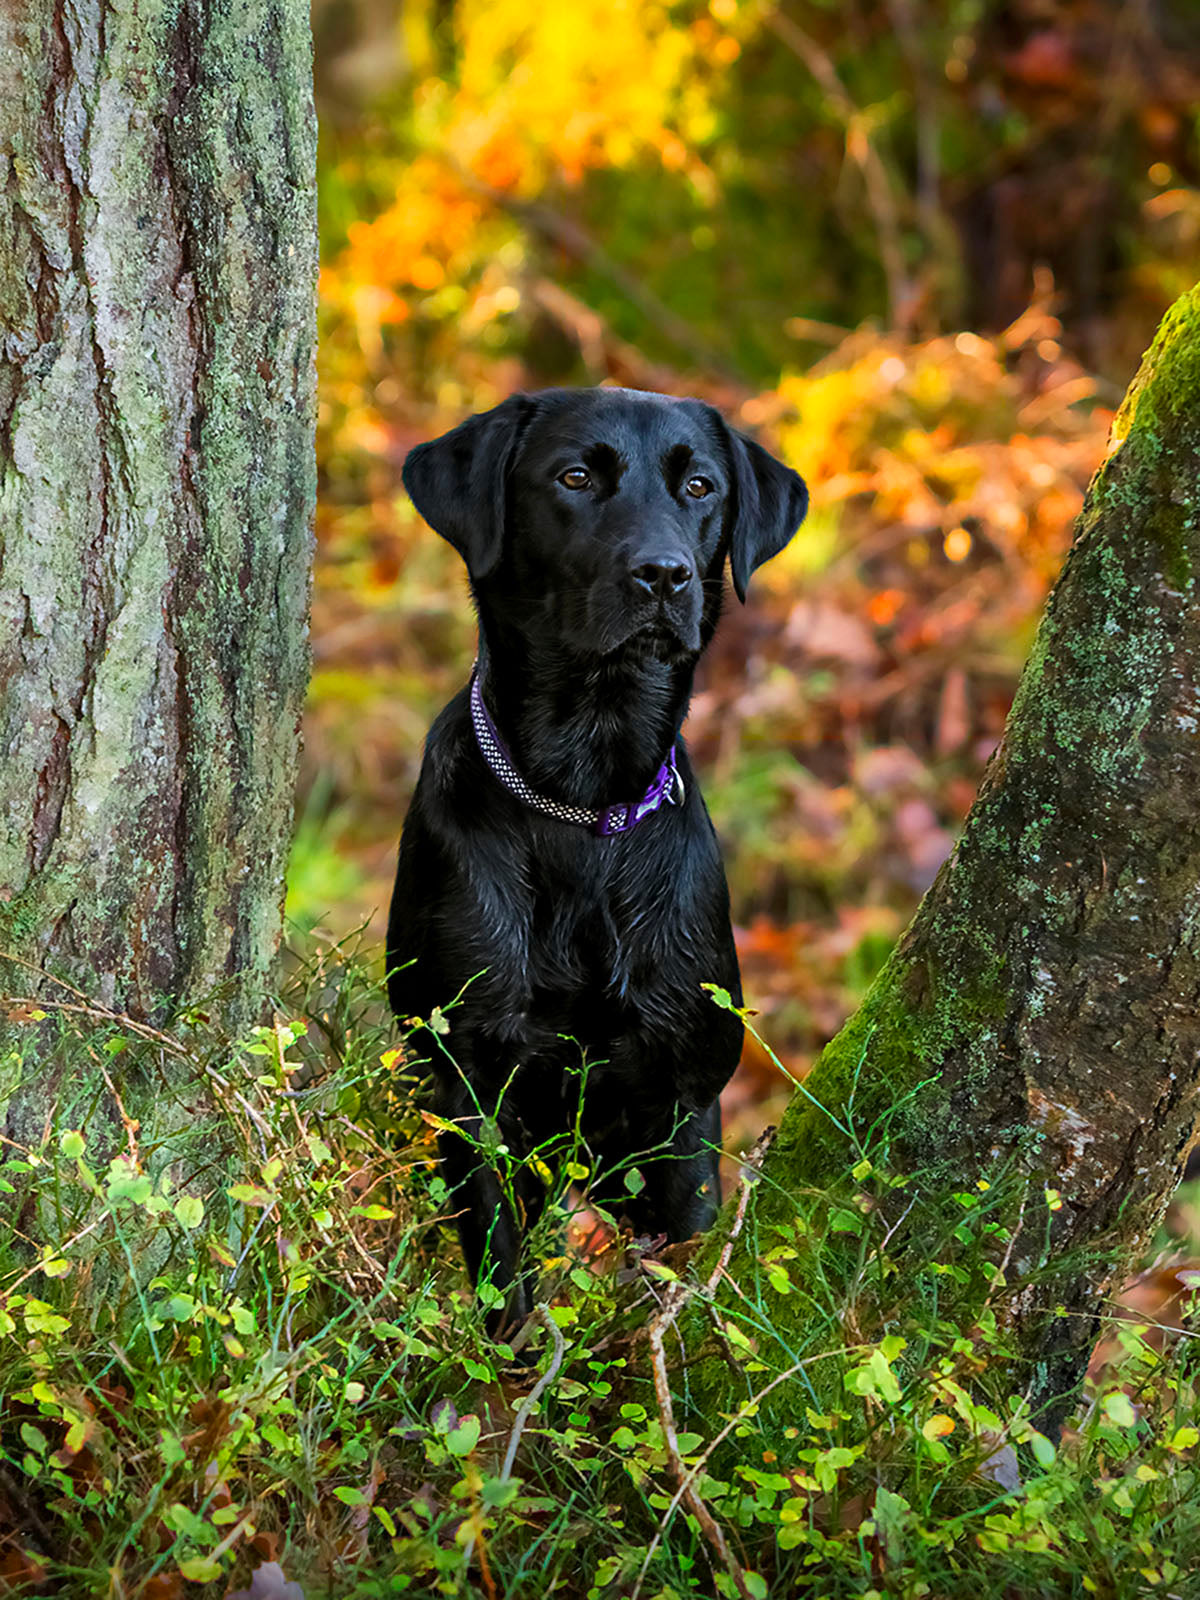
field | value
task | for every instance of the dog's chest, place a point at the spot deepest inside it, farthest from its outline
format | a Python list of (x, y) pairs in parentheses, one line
[(598, 920)]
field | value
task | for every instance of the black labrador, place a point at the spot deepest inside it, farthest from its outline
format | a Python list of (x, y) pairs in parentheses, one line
[(559, 878)]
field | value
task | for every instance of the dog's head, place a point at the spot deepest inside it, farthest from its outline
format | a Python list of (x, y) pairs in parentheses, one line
[(606, 514)]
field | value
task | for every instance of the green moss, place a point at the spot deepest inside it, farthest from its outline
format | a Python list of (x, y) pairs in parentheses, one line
[(1156, 421), (1174, 530), (19, 919), (1168, 380), (863, 1096)]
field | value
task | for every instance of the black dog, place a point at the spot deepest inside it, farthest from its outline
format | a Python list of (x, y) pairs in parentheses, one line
[(558, 871)]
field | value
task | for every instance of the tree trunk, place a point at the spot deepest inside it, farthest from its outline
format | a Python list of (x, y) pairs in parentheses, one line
[(157, 309), (1038, 1026)]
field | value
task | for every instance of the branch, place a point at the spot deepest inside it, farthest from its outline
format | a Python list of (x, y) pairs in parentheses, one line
[(862, 152)]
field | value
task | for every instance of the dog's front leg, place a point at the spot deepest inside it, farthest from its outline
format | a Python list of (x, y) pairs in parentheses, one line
[(478, 1172), (683, 1187)]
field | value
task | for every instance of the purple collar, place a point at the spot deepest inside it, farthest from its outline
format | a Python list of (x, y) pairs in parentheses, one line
[(666, 788)]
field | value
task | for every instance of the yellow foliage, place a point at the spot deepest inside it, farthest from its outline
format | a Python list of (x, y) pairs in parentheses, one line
[(592, 83)]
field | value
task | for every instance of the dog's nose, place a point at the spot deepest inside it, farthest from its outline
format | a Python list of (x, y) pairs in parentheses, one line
[(665, 576)]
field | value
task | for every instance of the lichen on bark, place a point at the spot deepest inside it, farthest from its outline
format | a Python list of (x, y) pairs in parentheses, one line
[(1038, 1025), (157, 329)]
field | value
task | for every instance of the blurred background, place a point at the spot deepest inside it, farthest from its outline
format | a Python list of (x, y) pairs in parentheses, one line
[(916, 246)]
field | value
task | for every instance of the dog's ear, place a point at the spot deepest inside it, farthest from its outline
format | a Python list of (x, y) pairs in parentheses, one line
[(459, 482), (769, 503)]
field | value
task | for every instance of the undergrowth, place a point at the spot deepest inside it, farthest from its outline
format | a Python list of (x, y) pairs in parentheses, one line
[(236, 1338)]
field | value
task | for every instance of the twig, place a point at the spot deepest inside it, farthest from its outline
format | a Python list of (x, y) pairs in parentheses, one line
[(224, 1084), (675, 1299), (61, 1250), (677, 1296), (577, 242), (101, 1014), (1012, 1239), (863, 153), (908, 30), (130, 1124), (531, 1399), (254, 1233), (604, 354), (535, 1394), (886, 1240), (751, 1164), (485, 1572)]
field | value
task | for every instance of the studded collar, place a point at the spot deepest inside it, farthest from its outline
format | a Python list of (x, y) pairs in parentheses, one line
[(666, 788)]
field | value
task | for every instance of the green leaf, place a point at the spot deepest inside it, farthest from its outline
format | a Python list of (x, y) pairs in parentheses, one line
[(71, 1143), (462, 1440), (875, 1378), (350, 1497), (42, 1318), (844, 1220), (1118, 1408), (720, 997), (498, 1492), (200, 1569), (77, 1435), (34, 1438), (634, 1181), (737, 1338), (659, 1270), (892, 1514), (189, 1211), (1043, 1450), (126, 1183), (243, 1317)]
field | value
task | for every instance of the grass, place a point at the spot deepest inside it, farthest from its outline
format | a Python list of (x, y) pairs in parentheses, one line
[(235, 1330)]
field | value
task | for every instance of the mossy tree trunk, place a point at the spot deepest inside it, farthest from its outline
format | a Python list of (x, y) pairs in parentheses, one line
[(1038, 1026), (157, 310)]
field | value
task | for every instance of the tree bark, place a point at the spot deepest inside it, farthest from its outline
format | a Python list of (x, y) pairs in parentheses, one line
[(1038, 1026), (157, 482)]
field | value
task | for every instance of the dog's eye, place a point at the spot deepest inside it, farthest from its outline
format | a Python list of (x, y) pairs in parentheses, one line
[(575, 478), (698, 488)]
